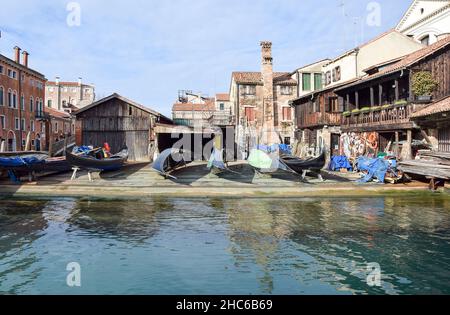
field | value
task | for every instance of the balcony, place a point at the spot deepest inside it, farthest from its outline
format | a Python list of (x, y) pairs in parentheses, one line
[(379, 117), (41, 115), (222, 119), (319, 119)]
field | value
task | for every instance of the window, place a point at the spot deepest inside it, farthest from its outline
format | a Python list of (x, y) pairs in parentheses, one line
[(2, 100), (328, 78), (2, 122), (286, 90), (287, 113), (1, 69), (16, 123), (12, 74), (426, 40), (10, 100), (335, 105), (23, 125), (249, 90), (56, 127), (222, 106), (306, 81), (130, 111), (250, 114), (317, 81), (32, 127), (31, 104), (22, 102), (14, 99), (49, 103), (336, 74)]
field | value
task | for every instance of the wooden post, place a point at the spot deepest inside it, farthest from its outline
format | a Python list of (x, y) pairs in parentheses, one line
[(397, 90), (347, 105), (2, 145), (380, 94), (372, 97), (397, 147), (28, 142), (408, 153), (50, 138), (357, 99)]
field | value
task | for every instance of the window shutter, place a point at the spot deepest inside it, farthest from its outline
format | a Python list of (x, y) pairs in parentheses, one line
[(340, 104), (328, 104)]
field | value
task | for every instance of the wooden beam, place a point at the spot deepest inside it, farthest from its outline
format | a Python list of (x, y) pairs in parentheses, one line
[(397, 90), (380, 94), (372, 96), (397, 140)]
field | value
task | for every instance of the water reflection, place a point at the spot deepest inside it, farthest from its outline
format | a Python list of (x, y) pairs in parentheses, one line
[(234, 246)]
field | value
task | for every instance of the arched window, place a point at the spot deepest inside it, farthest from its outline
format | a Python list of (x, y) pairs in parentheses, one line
[(2, 96), (425, 40), (31, 104), (22, 102), (10, 98), (14, 102), (49, 103)]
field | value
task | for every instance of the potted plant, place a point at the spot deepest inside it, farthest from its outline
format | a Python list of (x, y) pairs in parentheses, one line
[(401, 102), (356, 112), (375, 108), (423, 85), (365, 110), (346, 114)]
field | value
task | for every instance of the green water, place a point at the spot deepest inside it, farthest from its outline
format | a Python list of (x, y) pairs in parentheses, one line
[(226, 246)]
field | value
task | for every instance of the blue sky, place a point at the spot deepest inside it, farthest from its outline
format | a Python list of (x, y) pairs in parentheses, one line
[(147, 50)]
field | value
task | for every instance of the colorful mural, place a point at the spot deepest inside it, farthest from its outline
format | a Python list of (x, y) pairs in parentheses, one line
[(355, 144)]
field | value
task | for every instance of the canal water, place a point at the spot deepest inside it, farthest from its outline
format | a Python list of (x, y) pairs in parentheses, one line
[(380, 245)]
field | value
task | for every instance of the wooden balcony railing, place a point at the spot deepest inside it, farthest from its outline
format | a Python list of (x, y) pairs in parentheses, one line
[(320, 119), (392, 114)]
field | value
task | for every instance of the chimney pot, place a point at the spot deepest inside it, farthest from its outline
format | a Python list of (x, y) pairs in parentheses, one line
[(25, 55), (57, 80), (80, 81), (17, 54)]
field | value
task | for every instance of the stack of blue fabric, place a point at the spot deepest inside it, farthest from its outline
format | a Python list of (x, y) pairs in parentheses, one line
[(376, 168), (339, 162)]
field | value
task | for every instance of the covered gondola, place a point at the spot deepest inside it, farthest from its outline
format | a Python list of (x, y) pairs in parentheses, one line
[(171, 159), (95, 162), (33, 164), (302, 166)]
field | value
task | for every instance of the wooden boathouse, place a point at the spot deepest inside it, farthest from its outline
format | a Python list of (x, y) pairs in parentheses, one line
[(120, 122)]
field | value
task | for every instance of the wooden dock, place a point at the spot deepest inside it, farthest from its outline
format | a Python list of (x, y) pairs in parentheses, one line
[(137, 181)]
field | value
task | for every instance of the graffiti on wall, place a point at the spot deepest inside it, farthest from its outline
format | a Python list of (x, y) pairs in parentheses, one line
[(356, 144)]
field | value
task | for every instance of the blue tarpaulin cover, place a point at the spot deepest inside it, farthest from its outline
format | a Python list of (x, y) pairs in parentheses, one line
[(376, 168), (19, 161), (339, 162), (283, 148)]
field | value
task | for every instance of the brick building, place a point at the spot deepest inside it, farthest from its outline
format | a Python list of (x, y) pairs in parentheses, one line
[(261, 99), (67, 96), (22, 97)]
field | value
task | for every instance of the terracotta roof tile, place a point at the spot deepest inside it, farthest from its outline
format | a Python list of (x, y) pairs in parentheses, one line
[(279, 78), (435, 108), (414, 57), (189, 107), (223, 97), (57, 114)]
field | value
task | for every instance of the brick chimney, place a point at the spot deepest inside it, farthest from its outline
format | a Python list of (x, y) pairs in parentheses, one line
[(267, 77), (25, 55), (17, 54)]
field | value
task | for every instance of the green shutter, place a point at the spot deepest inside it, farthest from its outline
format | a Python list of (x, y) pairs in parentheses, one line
[(317, 81), (306, 78)]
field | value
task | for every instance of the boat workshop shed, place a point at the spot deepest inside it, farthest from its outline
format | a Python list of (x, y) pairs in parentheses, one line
[(120, 122)]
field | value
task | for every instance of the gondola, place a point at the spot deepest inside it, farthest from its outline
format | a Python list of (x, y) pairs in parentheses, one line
[(217, 162), (32, 164), (169, 160), (301, 166), (267, 162), (90, 161)]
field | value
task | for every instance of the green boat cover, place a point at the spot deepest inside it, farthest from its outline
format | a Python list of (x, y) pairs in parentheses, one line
[(260, 159)]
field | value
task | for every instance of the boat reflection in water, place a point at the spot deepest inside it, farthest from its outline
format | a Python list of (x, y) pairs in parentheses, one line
[(227, 246)]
